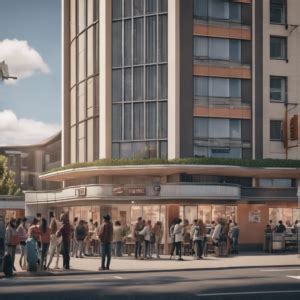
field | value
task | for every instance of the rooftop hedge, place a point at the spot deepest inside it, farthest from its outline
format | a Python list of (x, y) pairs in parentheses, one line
[(262, 163)]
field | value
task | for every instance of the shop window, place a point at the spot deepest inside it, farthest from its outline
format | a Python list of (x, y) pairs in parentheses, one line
[(277, 183), (287, 215)]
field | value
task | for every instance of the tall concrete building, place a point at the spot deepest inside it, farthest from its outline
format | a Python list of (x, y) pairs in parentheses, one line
[(176, 79)]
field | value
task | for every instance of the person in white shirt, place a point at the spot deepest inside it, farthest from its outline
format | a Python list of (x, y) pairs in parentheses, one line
[(146, 232), (178, 231), (217, 232)]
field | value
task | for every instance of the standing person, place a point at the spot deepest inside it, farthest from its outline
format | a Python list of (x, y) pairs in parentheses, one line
[(80, 234), (158, 234), (280, 228), (23, 235), (73, 238), (179, 236), (235, 232), (12, 240), (106, 237), (118, 239), (45, 240), (217, 233), (268, 239), (172, 237), (54, 245), (272, 225), (65, 232), (2, 237), (139, 226), (198, 234), (146, 232), (96, 240)]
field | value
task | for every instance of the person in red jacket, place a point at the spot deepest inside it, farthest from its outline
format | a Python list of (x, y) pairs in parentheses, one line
[(106, 237)]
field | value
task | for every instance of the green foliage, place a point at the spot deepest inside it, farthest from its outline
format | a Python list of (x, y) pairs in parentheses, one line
[(7, 179), (263, 163)]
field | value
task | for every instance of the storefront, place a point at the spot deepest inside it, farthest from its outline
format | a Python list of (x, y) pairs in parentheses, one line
[(12, 207)]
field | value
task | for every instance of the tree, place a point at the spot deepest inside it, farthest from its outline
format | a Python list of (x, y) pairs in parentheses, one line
[(7, 179)]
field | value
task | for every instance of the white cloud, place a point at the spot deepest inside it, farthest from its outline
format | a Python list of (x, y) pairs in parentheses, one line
[(22, 60), (14, 131)]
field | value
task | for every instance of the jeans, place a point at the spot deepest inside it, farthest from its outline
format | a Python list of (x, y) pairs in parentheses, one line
[(44, 253), (157, 248), (66, 254), (234, 244), (106, 255), (118, 248), (199, 248), (178, 248), (138, 248), (173, 247), (146, 249), (80, 247)]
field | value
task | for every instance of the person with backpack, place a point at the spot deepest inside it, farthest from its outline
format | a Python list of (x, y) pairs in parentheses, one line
[(12, 240)]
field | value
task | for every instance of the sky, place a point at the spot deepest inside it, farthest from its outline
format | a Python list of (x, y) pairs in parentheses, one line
[(30, 44)]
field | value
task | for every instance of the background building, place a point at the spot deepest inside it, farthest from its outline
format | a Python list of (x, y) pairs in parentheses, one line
[(176, 79)]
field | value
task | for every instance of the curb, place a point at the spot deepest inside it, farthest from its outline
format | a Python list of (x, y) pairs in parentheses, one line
[(74, 273)]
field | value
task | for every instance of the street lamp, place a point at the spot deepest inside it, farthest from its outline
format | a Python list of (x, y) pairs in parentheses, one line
[(4, 74)]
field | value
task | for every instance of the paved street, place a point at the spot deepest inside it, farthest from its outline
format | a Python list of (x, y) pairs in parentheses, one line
[(253, 283)]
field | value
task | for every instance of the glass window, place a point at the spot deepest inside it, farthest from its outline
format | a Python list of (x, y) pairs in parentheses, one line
[(125, 150), (162, 120), (73, 144), (218, 9), (219, 87), (139, 150), (218, 211), (200, 128), (116, 44), (162, 38), (127, 121), (116, 9), (117, 122), (151, 38), (96, 45), (138, 40), (90, 97), (275, 130), (127, 85), (223, 152), (117, 85), (200, 8), (235, 129), (278, 88), (235, 88), (96, 10), (73, 63), (151, 83), (138, 83), (81, 15), (190, 213), (81, 142), (81, 57), (200, 46), (90, 12), (151, 120), (278, 47), (115, 150), (127, 42), (235, 11), (278, 11), (200, 151), (127, 8), (163, 81), (90, 140), (162, 5), (138, 7), (81, 102), (90, 51), (72, 19), (204, 214), (150, 6), (200, 86), (73, 107), (163, 149), (219, 128), (138, 119), (219, 48), (235, 50)]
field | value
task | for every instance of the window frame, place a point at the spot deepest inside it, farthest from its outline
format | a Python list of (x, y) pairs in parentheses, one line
[(285, 78), (283, 38), (281, 135), (284, 12)]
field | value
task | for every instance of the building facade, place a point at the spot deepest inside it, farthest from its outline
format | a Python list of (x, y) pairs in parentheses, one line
[(176, 79)]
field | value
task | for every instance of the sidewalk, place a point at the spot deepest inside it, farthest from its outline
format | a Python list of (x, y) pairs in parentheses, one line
[(90, 265)]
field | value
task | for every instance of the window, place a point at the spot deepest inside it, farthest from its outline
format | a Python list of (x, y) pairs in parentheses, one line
[(217, 128), (217, 48), (275, 130), (217, 9), (278, 88), (278, 47), (217, 87), (278, 11)]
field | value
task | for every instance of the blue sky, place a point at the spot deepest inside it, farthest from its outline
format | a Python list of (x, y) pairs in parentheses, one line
[(30, 36)]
